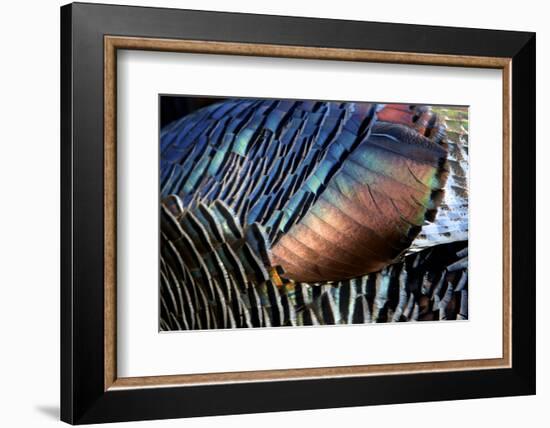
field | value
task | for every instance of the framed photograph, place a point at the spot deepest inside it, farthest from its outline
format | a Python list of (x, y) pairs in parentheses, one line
[(266, 213)]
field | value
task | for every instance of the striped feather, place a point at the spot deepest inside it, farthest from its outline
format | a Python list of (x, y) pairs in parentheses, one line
[(304, 213)]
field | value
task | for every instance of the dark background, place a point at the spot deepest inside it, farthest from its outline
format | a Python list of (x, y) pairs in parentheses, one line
[(173, 107)]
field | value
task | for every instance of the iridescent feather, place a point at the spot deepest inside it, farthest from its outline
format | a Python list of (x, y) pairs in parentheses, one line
[(263, 197)]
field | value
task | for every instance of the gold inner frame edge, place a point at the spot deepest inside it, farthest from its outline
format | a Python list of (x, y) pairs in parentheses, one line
[(113, 43)]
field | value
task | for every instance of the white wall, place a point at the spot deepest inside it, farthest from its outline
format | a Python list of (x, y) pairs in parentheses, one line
[(29, 218)]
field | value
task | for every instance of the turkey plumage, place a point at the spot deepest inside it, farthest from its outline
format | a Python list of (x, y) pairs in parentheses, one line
[(261, 198)]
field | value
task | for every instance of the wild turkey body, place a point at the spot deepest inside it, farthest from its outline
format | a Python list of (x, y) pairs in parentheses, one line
[(276, 212)]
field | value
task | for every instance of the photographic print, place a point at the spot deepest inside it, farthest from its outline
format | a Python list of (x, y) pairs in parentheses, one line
[(285, 213)]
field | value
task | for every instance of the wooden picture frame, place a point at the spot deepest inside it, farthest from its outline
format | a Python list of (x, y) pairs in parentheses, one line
[(91, 391)]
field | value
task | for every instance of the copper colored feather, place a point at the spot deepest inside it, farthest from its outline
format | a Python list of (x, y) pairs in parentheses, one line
[(375, 204)]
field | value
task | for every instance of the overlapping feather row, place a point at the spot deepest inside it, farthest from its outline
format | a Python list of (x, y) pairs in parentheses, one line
[(262, 200)]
